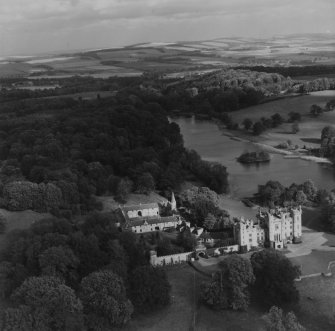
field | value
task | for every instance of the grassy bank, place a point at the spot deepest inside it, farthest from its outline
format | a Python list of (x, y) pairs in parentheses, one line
[(309, 127)]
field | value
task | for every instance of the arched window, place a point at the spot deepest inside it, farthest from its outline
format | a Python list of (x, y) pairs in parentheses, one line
[(139, 213)]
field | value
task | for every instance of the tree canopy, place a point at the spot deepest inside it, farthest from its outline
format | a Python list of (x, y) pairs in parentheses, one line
[(149, 288), (104, 300), (277, 320), (229, 288), (275, 277)]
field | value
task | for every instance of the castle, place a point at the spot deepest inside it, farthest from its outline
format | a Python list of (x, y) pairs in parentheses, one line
[(274, 228), (248, 234)]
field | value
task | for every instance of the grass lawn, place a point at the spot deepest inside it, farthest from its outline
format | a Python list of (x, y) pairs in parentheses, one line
[(315, 311), (311, 218), (309, 128), (300, 104), (317, 303), (186, 313), (20, 220), (315, 262)]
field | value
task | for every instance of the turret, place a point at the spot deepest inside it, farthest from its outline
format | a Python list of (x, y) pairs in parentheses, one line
[(297, 231), (173, 202)]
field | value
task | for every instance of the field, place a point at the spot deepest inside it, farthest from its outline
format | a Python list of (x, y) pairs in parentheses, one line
[(317, 303), (176, 57), (310, 127), (20, 220), (186, 313), (315, 310)]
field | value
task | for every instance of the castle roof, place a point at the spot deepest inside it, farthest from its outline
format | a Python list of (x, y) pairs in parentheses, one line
[(138, 221), (141, 206)]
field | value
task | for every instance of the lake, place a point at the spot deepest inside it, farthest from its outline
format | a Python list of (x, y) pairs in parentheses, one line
[(206, 138)]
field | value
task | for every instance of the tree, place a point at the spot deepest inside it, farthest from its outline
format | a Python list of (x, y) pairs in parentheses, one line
[(210, 221), (3, 223), (51, 304), (87, 249), (247, 123), (300, 197), (327, 132), (20, 318), (123, 189), (275, 277), (149, 288), (310, 190), (330, 105), (294, 116), (276, 320), (104, 299), (145, 183), (202, 208), (258, 128), (136, 252), (229, 287), (316, 110), (60, 262), (295, 128), (271, 193), (11, 276), (165, 247), (277, 120), (186, 240)]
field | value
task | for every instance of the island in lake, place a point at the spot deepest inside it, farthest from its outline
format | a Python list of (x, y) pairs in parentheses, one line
[(254, 157)]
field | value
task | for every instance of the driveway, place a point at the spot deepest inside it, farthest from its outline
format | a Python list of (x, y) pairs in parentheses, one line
[(311, 240)]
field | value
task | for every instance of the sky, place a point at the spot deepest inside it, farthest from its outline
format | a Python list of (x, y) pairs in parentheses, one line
[(42, 26)]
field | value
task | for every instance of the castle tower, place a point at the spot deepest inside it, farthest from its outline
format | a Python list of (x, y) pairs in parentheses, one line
[(173, 202), (297, 231)]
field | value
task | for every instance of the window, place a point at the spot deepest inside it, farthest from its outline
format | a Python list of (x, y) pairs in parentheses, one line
[(139, 213)]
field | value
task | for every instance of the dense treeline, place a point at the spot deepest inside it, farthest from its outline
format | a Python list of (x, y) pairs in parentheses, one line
[(268, 277), (293, 71), (57, 159), (307, 194), (274, 193), (60, 275), (68, 85)]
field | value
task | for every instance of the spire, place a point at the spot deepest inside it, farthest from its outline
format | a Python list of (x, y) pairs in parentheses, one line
[(173, 202)]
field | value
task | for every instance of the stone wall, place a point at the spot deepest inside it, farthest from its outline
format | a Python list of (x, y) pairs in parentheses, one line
[(169, 259), (228, 249)]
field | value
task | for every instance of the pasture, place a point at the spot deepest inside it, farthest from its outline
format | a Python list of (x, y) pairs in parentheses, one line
[(20, 220), (309, 128), (315, 309)]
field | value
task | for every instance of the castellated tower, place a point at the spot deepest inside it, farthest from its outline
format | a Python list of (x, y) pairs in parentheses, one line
[(283, 226), (296, 217), (248, 234)]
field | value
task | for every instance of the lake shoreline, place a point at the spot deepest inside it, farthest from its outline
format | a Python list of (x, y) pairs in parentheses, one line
[(271, 149), (214, 143)]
